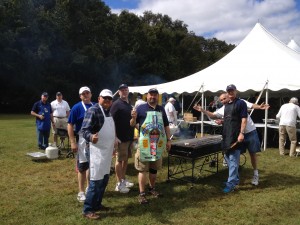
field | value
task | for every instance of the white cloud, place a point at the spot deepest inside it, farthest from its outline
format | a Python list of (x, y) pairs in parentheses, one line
[(230, 20)]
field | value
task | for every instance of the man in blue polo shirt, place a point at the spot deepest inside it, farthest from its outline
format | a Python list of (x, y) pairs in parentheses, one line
[(154, 138), (43, 113), (78, 143)]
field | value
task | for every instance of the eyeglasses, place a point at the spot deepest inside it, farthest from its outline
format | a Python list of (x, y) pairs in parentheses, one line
[(107, 98)]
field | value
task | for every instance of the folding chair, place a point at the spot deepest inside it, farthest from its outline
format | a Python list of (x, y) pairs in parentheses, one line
[(63, 135)]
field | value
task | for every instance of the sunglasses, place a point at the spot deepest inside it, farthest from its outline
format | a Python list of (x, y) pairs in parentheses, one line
[(107, 98)]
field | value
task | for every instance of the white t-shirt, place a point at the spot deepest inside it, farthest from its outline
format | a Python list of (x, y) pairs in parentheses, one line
[(250, 124), (60, 109), (288, 114), (171, 113), (139, 102)]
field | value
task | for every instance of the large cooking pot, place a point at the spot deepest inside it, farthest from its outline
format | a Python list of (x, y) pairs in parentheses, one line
[(51, 152)]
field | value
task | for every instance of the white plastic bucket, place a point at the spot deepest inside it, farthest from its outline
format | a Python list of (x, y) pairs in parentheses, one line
[(51, 152)]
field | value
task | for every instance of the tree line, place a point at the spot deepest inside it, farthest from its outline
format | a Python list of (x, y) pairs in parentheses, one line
[(61, 45)]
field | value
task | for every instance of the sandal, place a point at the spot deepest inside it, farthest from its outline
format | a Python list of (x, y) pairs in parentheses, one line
[(154, 193), (142, 199)]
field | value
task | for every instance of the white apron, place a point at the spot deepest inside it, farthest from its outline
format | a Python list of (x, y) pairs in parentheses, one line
[(101, 152), (82, 143)]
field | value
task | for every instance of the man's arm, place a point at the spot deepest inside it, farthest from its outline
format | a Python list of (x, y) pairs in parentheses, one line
[(72, 137), (208, 113)]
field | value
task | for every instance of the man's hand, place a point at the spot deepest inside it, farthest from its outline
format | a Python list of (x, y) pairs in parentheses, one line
[(133, 113), (95, 138), (198, 108), (74, 146)]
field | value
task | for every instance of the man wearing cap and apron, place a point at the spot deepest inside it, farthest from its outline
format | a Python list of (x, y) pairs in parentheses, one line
[(98, 129), (43, 113), (78, 143), (154, 139)]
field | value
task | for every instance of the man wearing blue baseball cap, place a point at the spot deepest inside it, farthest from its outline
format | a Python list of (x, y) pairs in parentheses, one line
[(43, 113)]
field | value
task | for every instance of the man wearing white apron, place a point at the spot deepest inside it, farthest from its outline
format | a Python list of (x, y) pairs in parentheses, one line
[(98, 128), (154, 138), (78, 144)]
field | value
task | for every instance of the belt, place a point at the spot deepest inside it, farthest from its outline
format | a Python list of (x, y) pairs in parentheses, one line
[(59, 117)]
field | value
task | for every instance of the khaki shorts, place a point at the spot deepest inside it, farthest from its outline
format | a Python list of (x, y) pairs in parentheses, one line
[(61, 123), (144, 166), (124, 151)]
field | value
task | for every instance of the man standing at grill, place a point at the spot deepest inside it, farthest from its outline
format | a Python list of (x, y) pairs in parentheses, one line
[(121, 112), (78, 143), (154, 138), (251, 141), (61, 111), (234, 125)]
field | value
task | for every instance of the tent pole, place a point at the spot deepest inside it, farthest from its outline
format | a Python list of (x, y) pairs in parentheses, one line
[(266, 117), (260, 94), (195, 97), (182, 104), (202, 114)]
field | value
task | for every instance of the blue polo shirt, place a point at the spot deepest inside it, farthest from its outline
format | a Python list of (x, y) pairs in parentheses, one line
[(142, 113), (77, 114), (43, 109)]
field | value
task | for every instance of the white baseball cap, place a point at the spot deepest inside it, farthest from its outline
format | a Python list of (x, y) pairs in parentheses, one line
[(82, 89), (106, 93), (171, 99)]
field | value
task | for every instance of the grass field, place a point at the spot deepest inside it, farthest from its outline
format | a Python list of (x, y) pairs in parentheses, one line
[(45, 192)]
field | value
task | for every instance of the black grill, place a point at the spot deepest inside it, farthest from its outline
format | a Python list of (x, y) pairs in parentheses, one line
[(197, 147)]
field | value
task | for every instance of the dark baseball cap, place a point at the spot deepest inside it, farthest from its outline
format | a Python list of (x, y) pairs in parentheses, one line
[(123, 86), (231, 87), (58, 93), (153, 90), (45, 94)]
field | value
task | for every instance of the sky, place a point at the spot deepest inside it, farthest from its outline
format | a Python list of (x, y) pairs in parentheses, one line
[(227, 20)]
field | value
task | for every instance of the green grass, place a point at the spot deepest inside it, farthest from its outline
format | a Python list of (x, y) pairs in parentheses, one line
[(45, 192)]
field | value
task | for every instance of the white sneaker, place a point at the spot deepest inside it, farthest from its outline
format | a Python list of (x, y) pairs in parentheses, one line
[(128, 184), (255, 180), (81, 197), (121, 187)]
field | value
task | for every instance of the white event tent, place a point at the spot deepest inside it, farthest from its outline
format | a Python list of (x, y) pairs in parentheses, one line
[(293, 45), (259, 58), (259, 62)]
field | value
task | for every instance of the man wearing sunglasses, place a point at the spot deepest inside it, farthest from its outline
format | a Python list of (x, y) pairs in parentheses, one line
[(121, 112), (78, 143), (98, 129)]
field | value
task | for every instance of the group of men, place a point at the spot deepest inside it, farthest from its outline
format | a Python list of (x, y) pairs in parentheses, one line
[(97, 131), (55, 113)]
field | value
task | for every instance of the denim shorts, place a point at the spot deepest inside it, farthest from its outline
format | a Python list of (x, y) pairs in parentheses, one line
[(251, 142)]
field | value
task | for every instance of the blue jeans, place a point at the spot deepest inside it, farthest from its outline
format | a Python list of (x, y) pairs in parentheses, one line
[(42, 138), (95, 194), (233, 160)]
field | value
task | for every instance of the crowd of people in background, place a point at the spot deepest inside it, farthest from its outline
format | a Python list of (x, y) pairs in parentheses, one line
[(103, 130)]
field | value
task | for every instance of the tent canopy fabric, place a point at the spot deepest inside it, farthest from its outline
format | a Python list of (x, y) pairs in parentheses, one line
[(259, 59), (293, 45)]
